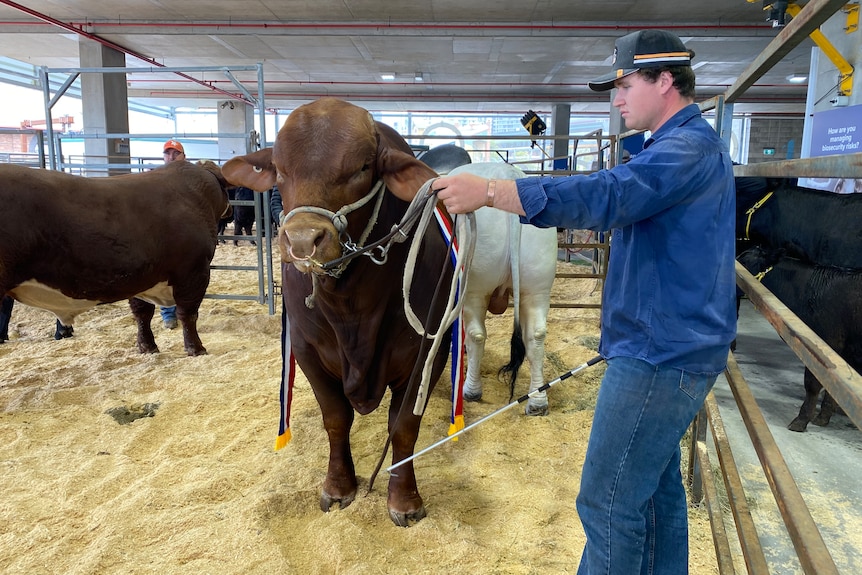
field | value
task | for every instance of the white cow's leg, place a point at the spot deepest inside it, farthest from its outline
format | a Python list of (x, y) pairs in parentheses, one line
[(474, 329), (533, 316)]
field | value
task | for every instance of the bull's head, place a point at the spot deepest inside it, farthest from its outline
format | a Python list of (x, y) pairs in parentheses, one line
[(328, 157)]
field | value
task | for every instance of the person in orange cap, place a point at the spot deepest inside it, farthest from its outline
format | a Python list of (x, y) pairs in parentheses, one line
[(173, 151)]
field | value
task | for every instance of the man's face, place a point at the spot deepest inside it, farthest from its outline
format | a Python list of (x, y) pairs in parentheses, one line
[(639, 101), (171, 155)]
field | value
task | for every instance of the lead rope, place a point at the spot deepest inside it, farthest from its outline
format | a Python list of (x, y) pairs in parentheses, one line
[(466, 237)]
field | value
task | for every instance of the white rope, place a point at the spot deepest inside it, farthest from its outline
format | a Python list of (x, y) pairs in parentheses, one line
[(466, 237)]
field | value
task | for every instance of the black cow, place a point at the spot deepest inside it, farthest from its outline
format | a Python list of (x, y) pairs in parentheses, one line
[(829, 300), (243, 216), (812, 225)]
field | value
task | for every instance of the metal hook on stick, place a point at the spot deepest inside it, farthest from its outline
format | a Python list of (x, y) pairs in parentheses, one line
[(521, 399)]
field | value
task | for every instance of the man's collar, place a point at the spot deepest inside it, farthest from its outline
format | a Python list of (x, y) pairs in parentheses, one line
[(681, 117)]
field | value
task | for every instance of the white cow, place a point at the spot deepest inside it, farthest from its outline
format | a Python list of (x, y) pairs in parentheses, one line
[(511, 259)]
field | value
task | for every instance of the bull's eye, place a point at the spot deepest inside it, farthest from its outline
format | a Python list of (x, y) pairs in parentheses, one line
[(365, 167)]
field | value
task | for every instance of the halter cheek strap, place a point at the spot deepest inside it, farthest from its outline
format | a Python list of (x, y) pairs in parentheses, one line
[(752, 209)]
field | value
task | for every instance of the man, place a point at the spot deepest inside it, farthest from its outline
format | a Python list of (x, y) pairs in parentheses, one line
[(173, 152), (668, 311)]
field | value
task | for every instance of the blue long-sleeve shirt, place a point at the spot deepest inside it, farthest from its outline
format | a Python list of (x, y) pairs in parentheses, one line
[(669, 297)]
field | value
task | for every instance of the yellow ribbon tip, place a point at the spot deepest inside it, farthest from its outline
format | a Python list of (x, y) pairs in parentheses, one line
[(457, 426), (282, 440)]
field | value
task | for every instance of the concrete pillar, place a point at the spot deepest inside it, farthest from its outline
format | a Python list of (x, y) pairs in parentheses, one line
[(561, 119), (234, 117), (104, 104)]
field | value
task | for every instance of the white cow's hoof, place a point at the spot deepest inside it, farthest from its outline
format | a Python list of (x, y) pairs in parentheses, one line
[(472, 396), (536, 410)]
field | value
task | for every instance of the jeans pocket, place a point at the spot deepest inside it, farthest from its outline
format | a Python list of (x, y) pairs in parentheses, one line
[(696, 385)]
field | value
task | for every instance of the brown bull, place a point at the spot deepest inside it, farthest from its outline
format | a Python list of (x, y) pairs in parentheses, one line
[(69, 243), (351, 338)]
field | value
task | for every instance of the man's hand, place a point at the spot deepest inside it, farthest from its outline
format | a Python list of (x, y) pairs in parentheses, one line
[(461, 193)]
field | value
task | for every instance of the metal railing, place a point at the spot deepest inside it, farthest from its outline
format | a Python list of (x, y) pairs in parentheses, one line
[(837, 377)]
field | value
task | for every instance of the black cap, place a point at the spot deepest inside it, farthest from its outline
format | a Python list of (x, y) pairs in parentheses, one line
[(643, 49)]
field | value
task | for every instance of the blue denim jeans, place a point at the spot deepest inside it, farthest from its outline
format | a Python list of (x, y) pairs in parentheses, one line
[(168, 312), (632, 502)]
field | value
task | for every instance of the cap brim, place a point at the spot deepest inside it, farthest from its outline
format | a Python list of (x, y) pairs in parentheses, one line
[(606, 82)]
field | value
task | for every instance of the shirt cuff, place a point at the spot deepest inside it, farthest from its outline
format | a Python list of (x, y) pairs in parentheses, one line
[(532, 196)]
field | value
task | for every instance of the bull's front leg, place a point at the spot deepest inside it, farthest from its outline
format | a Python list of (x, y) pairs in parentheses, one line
[(809, 406), (828, 407), (143, 313), (404, 502), (340, 484)]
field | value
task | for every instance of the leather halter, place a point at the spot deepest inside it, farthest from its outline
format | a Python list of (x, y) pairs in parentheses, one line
[(339, 219)]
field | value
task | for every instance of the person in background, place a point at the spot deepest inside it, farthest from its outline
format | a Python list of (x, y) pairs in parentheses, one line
[(6, 305), (173, 151), (668, 306), (275, 207)]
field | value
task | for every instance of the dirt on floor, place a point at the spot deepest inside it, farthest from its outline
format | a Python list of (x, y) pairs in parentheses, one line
[(117, 462)]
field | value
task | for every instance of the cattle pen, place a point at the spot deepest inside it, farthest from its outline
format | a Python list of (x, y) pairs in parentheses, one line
[(192, 484)]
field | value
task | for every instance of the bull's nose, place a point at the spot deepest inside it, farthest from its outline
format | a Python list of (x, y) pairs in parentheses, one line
[(303, 242), (302, 266)]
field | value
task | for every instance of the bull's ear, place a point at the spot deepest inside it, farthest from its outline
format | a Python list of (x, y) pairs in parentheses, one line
[(402, 172), (254, 171)]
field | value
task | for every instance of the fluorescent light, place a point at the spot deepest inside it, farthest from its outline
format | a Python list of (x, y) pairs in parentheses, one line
[(418, 77), (387, 76), (797, 78)]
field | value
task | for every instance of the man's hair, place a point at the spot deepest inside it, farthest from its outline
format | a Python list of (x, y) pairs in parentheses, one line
[(683, 78)]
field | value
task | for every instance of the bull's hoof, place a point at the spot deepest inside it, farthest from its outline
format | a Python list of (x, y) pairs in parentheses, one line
[(327, 501), (146, 348), (407, 519), (821, 420), (63, 331), (196, 352), (471, 396), (798, 425), (536, 410)]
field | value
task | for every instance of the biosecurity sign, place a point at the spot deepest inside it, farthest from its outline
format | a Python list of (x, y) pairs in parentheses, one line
[(834, 132), (837, 131)]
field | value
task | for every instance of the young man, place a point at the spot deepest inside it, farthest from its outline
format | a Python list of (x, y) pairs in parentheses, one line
[(668, 310), (172, 151)]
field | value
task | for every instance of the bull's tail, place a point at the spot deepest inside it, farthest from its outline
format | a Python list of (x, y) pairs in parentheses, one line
[(517, 353), (517, 349)]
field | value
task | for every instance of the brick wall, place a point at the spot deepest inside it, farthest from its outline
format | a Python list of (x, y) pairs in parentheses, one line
[(11, 143), (782, 135)]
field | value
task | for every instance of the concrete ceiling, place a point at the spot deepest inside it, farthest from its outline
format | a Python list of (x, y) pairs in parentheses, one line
[(500, 56)]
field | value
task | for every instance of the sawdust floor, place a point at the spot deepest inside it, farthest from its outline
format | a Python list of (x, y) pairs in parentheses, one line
[(196, 486)]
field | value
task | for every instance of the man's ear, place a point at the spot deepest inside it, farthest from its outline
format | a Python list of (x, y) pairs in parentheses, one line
[(665, 81)]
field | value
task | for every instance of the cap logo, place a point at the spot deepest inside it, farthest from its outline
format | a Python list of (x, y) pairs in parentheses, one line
[(614, 61)]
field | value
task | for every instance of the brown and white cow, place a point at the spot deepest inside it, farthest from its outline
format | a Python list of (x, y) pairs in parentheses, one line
[(355, 341), (69, 243)]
